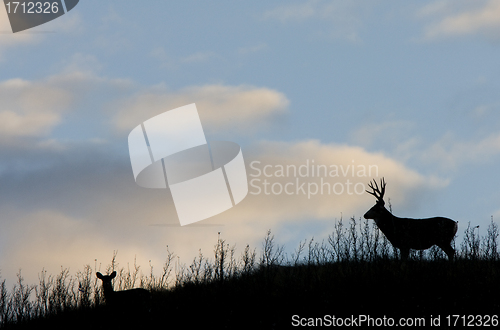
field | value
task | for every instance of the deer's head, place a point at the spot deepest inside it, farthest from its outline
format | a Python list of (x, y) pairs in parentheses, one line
[(106, 280), (379, 208)]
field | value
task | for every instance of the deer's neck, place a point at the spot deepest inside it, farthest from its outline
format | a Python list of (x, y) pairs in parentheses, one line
[(384, 220), (108, 292)]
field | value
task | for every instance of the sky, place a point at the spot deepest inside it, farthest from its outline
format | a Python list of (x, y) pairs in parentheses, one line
[(408, 89)]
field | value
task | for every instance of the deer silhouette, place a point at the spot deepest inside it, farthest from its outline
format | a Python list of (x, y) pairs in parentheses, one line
[(405, 233), (124, 300)]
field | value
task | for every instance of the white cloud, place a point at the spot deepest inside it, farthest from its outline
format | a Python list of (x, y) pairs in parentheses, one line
[(394, 135), (295, 11), (485, 111), (167, 61), (220, 106), (68, 23), (496, 215), (34, 108), (50, 239), (459, 18), (343, 19), (375, 134), (82, 63), (353, 164), (252, 49), (450, 152), (30, 108), (199, 57), (95, 207)]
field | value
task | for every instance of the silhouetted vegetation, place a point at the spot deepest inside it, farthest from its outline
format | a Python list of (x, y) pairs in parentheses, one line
[(352, 272)]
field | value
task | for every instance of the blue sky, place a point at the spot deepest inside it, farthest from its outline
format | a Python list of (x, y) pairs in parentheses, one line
[(410, 87)]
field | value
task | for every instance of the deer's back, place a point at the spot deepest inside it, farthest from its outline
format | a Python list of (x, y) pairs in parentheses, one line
[(420, 233), (133, 297)]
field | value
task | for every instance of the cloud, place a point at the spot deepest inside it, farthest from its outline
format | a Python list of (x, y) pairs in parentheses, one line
[(51, 240), (343, 163), (68, 203), (450, 153), (30, 108), (496, 215), (295, 11), (459, 18), (485, 110), (380, 133), (68, 23), (241, 108), (82, 63), (33, 109), (344, 18), (61, 207), (394, 135), (199, 57), (50, 233), (168, 61), (80, 203), (252, 49)]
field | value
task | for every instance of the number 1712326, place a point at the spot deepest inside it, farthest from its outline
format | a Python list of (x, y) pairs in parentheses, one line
[(46, 7)]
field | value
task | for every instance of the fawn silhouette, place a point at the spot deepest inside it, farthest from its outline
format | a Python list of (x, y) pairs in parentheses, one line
[(127, 301)]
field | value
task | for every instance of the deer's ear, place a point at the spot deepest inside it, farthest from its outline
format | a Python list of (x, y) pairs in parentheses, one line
[(99, 275), (113, 274)]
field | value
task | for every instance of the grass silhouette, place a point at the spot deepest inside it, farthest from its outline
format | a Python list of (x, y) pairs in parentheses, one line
[(354, 271)]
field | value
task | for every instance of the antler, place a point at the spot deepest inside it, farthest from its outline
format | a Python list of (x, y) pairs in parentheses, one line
[(376, 191)]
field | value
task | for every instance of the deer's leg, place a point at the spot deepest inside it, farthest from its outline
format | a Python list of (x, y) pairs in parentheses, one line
[(404, 254), (448, 250)]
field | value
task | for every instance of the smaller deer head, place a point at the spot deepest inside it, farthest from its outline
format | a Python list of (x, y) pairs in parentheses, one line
[(379, 208), (106, 279), (106, 283)]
